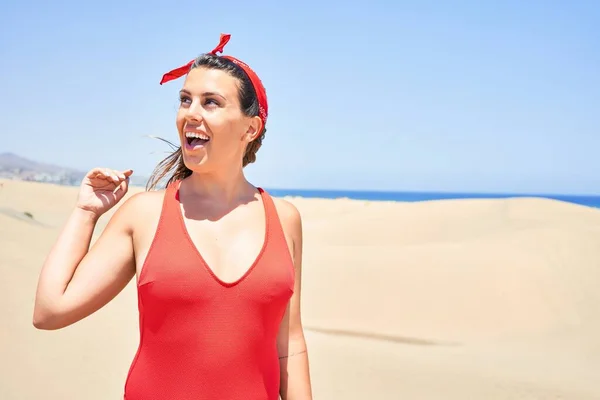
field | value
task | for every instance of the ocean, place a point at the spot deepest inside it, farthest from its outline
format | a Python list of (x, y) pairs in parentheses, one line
[(590, 201)]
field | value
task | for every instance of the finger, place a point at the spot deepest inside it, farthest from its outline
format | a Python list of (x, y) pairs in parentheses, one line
[(124, 174), (111, 175), (102, 174), (96, 173), (122, 186)]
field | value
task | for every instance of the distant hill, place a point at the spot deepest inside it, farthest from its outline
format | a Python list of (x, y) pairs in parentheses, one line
[(14, 166), (11, 161)]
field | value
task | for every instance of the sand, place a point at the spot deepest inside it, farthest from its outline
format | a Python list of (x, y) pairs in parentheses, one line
[(452, 299)]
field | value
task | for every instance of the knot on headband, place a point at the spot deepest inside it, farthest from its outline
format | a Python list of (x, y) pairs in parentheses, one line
[(222, 42)]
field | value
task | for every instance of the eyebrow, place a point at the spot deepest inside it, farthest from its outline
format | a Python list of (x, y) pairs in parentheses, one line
[(205, 94)]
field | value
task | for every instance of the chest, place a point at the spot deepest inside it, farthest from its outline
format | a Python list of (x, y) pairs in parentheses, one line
[(238, 259), (230, 246)]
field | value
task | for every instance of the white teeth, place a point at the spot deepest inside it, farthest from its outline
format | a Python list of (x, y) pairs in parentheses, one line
[(196, 135)]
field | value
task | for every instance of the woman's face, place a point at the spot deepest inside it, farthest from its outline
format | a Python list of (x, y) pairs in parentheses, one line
[(213, 131)]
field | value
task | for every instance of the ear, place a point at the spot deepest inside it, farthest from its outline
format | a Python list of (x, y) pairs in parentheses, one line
[(254, 129)]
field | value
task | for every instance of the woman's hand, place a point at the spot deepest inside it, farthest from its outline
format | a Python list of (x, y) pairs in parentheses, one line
[(102, 189)]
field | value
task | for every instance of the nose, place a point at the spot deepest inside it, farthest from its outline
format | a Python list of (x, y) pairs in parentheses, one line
[(193, 113)]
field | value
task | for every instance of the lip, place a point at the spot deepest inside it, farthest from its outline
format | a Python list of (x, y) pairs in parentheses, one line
[(189, 147), (193, 129)]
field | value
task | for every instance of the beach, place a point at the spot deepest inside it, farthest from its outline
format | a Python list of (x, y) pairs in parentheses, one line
[(444, 299)]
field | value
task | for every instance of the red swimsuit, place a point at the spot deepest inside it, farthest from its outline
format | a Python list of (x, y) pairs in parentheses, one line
[(200, 337)]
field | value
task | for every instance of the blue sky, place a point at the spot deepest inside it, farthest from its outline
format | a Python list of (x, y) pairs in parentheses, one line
[(421, 95)]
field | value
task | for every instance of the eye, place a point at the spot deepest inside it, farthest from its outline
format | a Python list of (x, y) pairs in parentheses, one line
[(211, 102), (185, 100)]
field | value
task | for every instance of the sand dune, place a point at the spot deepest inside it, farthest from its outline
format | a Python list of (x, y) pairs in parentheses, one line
[(453, 299)]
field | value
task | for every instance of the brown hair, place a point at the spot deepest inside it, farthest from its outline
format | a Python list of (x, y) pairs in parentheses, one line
[(173, 164)]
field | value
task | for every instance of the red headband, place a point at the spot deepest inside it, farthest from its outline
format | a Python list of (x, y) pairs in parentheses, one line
[(256, 83)]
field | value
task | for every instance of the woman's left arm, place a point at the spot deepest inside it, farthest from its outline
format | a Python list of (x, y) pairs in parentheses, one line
[(295, 381)]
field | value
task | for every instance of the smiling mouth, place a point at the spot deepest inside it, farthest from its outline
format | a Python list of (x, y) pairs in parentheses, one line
[(196, 139)]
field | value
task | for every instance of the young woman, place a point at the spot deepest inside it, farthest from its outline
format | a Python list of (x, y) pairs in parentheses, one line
[(217, 260)]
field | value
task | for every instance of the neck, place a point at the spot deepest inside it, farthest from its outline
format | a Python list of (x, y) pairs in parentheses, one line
[(225, 186)]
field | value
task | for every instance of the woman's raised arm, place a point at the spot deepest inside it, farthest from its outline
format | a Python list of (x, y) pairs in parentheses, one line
[(75, 281)]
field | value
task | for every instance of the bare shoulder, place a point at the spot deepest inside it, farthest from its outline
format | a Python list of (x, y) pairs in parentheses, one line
[(146, 198), (290, 218), (143, 207)]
